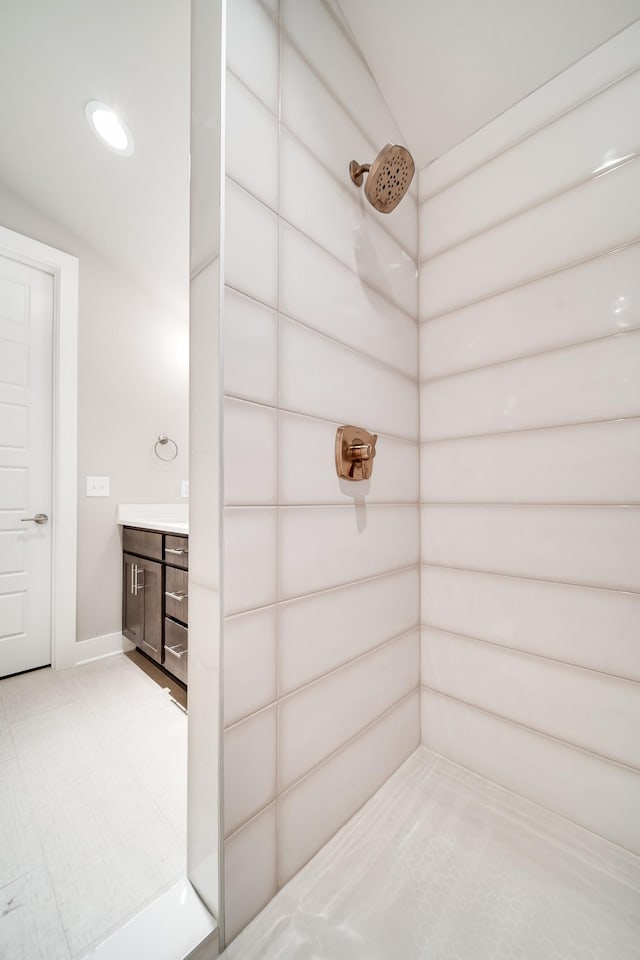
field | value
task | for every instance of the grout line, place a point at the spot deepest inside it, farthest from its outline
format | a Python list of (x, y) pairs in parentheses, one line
[(550, 426), (316, 593), (325, 760), (531, 133), (521, 576), (574, 345), (572, 264), (337, 180), (312, 416), (412, 378), (528, 653), (315, 416), (531, 503), (367, 282), (521, 211), (278, 461), (291, 694), (332, 339), (535, 730), (323, 505)]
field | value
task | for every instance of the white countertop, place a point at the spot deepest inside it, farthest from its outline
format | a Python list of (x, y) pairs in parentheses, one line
[(164, 517)]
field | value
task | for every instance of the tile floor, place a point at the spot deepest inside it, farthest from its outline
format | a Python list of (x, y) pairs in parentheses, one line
[(92, 804), (442, 864)]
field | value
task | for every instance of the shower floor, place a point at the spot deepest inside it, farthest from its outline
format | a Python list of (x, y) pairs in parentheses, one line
[(445, 865)]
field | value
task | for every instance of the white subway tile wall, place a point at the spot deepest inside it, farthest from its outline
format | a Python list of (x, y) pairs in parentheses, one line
[(530, 447), (321, 646)]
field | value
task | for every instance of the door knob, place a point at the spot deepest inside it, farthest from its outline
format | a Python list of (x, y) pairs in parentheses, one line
[(39, 518)]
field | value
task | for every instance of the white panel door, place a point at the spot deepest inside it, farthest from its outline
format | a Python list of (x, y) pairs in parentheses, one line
[(26, 357)]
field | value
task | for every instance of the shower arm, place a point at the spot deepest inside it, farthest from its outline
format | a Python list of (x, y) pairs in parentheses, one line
[(356, 170)]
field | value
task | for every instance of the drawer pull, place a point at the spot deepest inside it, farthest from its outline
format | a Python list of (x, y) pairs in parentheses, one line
[(178, 650), (178, 553), (179, 595)]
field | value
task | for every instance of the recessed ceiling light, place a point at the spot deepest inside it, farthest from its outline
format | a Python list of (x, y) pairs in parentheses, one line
[(107, 125)]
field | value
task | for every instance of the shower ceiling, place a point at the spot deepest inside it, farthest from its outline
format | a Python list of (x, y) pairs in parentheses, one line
[(447, 67)]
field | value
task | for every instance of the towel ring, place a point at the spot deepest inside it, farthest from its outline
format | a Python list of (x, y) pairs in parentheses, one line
[(162, 441)]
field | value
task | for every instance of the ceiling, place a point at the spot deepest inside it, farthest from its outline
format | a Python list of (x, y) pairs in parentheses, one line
[(133, 55), (447, 67)]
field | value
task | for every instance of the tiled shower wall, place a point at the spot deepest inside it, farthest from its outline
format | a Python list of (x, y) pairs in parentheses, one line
[(321, 577), (530, 455)]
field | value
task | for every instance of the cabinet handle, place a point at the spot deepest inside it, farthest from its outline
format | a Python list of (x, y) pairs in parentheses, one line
[(179, 595), (177, 552), (136, 585), (132, 589), (177, 651)]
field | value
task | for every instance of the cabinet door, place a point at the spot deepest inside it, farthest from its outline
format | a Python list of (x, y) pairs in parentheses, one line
[(132, 600), (151, 581)]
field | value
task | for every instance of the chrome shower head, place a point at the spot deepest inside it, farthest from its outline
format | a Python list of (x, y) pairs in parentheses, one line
[(390, 177)]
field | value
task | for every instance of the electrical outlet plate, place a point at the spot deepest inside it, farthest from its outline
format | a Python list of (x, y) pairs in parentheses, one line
[(184, 489), (98, 486)]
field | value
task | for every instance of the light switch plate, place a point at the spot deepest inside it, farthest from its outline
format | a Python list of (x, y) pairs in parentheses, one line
[(184, 489), (98, 486)]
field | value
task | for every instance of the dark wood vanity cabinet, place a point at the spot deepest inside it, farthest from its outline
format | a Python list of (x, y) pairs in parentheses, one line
[(142, 604), (155, 596)]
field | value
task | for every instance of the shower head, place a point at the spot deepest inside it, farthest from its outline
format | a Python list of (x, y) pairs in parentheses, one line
[(390, 177)]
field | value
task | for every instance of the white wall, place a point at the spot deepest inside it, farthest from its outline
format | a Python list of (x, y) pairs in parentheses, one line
[(530, 462), (321, 578), (132, 385)]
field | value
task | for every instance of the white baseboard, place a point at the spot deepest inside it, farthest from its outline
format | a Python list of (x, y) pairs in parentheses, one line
[(97, 648)]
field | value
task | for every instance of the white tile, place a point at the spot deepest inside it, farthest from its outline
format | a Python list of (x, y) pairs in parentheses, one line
[(314, 115), (581, 707), (592, 463), (318, 376), (249, 768), (250, 453), (602, 796), (322, 717), (577, 146), (250, 123), (249, 663), (250, 349), (603, 66), (252, 49), (31, 926), (250, 551), (308, 472), (590, 219), (204, 135), (323, 209), (19, 841), (250, 871), (591, 300), (592, 546), (319, 633), (316, 807), (205, 374), (343, 544), (251, 246), (592, 381), (322, 293), (314, 31), (591, 628)]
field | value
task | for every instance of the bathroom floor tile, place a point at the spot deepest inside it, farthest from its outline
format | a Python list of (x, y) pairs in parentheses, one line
[(92, 804), (442, 864)]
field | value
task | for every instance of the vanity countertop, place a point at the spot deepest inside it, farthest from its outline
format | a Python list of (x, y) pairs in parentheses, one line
[(163, 517)]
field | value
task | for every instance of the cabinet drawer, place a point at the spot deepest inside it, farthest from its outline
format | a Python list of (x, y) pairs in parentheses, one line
[(176, 594), (176, 551), (143, 543), (175, 649)]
